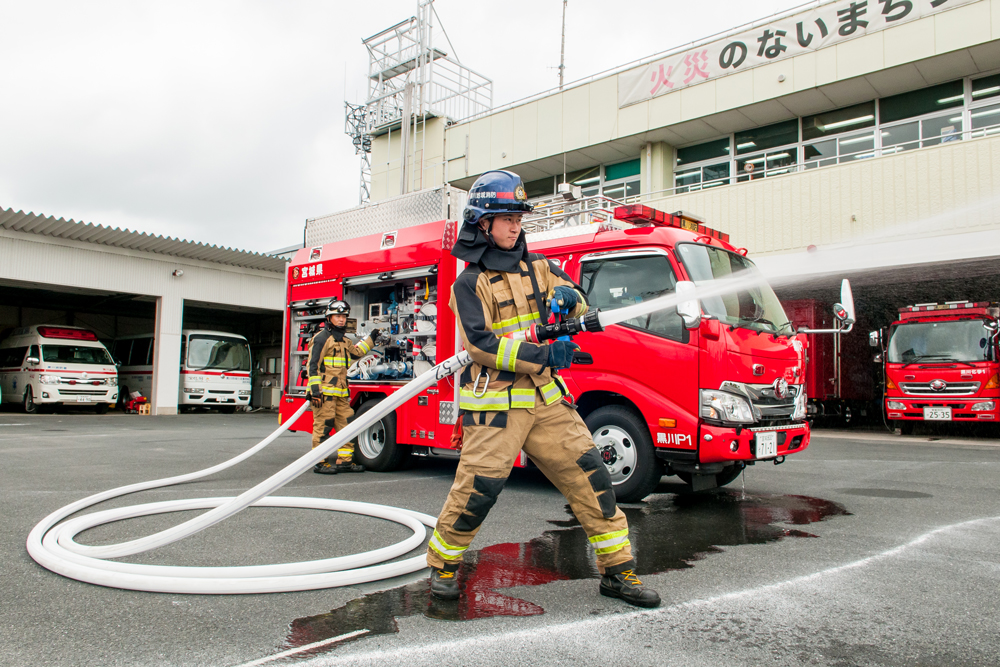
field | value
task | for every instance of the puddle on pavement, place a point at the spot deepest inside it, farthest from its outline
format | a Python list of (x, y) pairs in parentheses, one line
[(669, 532)]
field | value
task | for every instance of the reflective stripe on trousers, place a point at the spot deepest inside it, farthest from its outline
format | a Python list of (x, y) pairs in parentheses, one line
[(447, 551), (610, 542)]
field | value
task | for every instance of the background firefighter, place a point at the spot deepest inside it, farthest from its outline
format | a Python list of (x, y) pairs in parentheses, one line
[(512, 397), (330, 352)]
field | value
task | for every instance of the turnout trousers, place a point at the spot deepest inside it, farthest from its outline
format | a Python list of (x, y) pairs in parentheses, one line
[(559, 443), (332, 418)]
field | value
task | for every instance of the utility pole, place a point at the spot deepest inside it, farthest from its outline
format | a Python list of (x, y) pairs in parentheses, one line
[(562, 49)]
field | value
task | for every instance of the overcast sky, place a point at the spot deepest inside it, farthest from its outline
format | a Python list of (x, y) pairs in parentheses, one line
[(223, 122)]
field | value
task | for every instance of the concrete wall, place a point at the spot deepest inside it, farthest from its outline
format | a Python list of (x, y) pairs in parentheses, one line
[(54, 263), (426, 159)]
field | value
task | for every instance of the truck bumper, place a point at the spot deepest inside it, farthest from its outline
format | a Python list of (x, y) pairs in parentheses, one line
[(961, 408), (75, 395), (719, 444)]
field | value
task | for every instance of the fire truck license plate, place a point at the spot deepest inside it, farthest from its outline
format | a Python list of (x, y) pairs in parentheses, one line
[(767, 444), (83, 399), (937, 414)]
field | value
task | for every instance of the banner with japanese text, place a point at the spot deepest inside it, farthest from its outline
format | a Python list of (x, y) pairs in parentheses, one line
[(822, 26)]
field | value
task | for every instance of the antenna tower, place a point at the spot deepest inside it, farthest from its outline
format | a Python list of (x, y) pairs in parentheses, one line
[(411, 79)]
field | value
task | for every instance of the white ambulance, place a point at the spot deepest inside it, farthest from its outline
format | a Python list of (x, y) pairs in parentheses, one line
[(50, 364), (214, 368)]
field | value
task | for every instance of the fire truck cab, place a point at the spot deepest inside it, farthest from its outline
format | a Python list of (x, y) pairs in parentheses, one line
[(940, 363), (699, 395)]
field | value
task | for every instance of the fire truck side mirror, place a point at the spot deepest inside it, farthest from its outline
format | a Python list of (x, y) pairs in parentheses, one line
[(845, 309), (33, 361), (875, 338), (877, 358), (689, 310)]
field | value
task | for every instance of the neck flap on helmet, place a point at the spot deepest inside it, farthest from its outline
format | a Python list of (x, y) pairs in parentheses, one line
[(472, 246)]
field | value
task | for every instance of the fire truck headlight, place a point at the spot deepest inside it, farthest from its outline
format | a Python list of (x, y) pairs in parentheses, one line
[(196, 390), (722, 406), (112, 382), (48, 379), (984, 406), (244, 392), (799, 412), (896, 405)]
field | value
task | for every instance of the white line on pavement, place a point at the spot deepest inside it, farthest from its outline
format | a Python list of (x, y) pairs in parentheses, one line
[(301, 649)]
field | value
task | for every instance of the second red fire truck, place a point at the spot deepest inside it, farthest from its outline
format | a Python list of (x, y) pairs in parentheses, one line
[(940, 363), (698, 396)]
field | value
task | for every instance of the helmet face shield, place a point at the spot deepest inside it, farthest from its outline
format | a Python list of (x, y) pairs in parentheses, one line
[(337, 307)]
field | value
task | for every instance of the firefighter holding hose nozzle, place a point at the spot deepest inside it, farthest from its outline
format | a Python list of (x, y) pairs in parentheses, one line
[(512, 397), (330, 352)]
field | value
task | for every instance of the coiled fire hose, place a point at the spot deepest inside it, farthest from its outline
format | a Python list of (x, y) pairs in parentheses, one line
[(51, 543)]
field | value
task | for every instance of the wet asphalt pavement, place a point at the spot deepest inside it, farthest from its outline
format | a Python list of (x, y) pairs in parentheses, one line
[(867, 549)]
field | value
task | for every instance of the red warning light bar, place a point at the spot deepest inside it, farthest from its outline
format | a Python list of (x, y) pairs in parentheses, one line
[(66, 333), (638, 214)]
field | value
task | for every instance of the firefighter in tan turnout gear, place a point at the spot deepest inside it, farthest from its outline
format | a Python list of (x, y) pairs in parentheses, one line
[(330, 352), (512, 397)]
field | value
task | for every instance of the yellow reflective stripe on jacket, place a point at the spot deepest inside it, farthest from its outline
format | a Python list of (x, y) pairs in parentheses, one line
[(522, 398), (551, 392), (364, 347), (516, 323), (337, 362), (447, 551), (328, 361), (507, 354), (493, 401), (336, 391), (314, 380), (610, 542)]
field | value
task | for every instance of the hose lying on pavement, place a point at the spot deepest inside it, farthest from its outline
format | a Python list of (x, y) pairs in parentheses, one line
[(51, 543), (52, 546)]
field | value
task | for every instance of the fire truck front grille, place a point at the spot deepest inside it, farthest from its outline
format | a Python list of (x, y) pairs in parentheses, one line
[(220, 391), (81, 392), (951, 389), (773, 410)]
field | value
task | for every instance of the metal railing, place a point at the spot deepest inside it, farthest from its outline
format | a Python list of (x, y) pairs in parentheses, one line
[(557, 212), (821, 162)]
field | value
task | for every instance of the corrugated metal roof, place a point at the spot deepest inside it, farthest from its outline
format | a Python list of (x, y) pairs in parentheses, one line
[(59, 228)]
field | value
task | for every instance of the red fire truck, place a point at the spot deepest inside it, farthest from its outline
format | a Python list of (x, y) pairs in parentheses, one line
[(698, 396), (940, 363), (838, 376)]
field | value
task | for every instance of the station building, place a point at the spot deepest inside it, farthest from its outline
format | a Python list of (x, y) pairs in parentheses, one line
[(117, 282), (844, 123), (844, 138)]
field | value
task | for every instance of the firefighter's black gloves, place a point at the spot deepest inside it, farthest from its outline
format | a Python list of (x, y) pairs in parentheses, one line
[(315, 398), (561, 353), (375, 335), (563, 300)]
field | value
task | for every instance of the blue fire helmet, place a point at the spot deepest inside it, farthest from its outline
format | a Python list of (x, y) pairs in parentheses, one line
[(495, 193)]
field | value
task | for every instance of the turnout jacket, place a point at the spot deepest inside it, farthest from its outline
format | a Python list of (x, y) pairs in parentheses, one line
[(328, 362), (489, 303)]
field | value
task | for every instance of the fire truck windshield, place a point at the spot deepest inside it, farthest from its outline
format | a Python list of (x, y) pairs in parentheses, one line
[(75, 354), (755, 308), (206, 352), (930, 342)]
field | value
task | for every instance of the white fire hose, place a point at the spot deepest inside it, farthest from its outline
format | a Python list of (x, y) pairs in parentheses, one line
[(52, 546)]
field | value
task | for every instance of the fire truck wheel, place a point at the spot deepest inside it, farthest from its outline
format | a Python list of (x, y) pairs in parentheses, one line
[(101, 408), (123, 397), (624, 443), (377, 448), (29, 405)]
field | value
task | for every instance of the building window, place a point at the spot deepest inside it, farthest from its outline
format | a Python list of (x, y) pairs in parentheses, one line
[(921, 102), (769, 136), (543, 187), (709, 165), (621, 180)]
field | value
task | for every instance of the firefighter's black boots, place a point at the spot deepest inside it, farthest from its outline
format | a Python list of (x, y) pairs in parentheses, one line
[(620, 582), (444, 582)]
